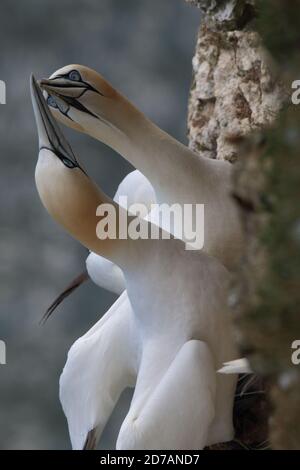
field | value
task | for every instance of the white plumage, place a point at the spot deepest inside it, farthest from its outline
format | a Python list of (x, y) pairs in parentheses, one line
[(238, 366), (137, 189)]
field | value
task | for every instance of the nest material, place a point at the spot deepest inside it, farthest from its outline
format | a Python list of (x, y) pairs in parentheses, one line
[(250, 416)]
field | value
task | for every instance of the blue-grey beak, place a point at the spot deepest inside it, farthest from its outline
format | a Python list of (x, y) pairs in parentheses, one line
[(50, 135)]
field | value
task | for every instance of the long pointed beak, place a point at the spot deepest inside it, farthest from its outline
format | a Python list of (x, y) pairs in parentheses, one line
[(50, 135), (64, 87), (68, 92)]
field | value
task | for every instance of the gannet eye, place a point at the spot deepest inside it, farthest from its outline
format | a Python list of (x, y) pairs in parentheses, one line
[(51, 102), (67, 162), (74, 76)]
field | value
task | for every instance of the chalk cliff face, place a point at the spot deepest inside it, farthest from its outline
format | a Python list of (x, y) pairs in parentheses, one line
[(234, 92), (146, 52)]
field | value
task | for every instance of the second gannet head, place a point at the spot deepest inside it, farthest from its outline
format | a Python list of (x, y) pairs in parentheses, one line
[(83, 100), (66, 191)]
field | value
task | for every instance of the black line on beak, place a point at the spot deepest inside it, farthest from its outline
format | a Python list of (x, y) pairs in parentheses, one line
[(72, 84), (77, 105), (57, 141)]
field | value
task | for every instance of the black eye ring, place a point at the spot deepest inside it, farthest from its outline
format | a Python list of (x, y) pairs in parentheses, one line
[(75, 76)]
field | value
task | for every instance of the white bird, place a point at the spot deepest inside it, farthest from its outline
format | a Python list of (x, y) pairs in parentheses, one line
[(84, 101), (169, 345)]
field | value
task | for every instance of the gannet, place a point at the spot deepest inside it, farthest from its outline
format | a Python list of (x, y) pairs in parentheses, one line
[(81, 98), (169, 346)]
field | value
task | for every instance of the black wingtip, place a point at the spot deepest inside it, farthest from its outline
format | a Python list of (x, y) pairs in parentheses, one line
[(83, 277), (91, 440)]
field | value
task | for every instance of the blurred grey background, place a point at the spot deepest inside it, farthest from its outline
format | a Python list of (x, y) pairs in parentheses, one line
[(145, 48)]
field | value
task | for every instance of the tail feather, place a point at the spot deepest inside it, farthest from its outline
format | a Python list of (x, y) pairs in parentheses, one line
[(238, 366), (91, 440)]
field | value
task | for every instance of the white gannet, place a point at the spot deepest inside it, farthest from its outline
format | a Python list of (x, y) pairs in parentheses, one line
[(169, 345), (84, 101)]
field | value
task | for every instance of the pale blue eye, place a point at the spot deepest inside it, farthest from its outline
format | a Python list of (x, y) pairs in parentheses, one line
[(51, 102), (67, 162), (74, 76)]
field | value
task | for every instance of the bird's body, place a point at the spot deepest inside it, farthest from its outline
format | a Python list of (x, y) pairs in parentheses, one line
[(187, 313), (169, 344), (152, 346)]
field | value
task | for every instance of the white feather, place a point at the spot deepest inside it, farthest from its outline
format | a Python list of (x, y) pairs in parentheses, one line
[(103, 272), (238, 366)]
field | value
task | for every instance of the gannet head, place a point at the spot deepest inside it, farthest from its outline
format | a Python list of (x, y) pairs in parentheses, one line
[(68, 194), (83, 100)]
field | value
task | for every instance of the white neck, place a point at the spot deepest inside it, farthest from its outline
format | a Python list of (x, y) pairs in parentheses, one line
[(155, 153)]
